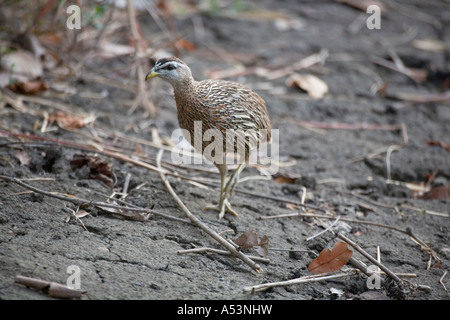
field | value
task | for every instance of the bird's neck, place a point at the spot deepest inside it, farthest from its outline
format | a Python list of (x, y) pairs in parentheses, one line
[(186, 86), (184, 91)]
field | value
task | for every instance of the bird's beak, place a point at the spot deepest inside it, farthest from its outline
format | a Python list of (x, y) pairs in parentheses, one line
[(152, 73)]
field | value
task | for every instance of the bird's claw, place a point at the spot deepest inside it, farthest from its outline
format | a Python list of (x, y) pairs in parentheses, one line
[(222, 208)]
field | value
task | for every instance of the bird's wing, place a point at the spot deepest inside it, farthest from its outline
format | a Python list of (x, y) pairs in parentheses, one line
[(235, 110)]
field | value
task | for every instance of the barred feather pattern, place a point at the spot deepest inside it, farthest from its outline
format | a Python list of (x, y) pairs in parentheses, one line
[(234, 111)]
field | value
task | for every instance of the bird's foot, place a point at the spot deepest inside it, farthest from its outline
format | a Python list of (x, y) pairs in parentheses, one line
[(222, 208)]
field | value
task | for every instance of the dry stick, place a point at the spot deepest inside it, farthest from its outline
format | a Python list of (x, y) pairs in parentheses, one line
[(200, 224), (306, 279), (370, 258), (212, 250), (324, 230), (53, 289), (423, 244), (441, 281)]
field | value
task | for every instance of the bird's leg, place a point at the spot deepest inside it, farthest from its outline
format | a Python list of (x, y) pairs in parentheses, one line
[(224, 204), (231, 184)]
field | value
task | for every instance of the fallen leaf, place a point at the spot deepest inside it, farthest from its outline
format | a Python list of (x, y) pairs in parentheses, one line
[(67, 121), (247, 240), (23, 156), (263, 247), (28, 87), (437, 193), (250, 240), (315, 87), (331, 260), (126, 214), (437, 265), (287, 178)]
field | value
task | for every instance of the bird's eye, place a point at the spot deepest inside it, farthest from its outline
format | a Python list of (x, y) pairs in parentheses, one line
[(170, 67)]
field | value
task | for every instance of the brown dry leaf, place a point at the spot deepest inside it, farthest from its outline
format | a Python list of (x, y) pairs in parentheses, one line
[(437, 193), (66, 121), (263, 247), (286, 178), (126, 214), (247, 240), (250, 240), (315, 87), (439, 143), (99, 168), (438, 265), (23, 156), (28, 87), (331, 260)]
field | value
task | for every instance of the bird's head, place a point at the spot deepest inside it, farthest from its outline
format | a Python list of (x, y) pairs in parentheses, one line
[(170, 69)]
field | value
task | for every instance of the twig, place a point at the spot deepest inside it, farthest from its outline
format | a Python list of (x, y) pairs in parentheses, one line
[(306, 279), (126, 185), (53, 289), (370, 258), (435, 213), (388, 159), (200, 224), (441, 281), (423, 245), (325, 230), (223, 252)]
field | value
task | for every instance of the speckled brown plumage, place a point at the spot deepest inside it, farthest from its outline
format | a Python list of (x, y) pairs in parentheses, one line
[(220, 105)]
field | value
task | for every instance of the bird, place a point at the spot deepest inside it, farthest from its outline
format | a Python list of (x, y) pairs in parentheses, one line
[(233, 114)]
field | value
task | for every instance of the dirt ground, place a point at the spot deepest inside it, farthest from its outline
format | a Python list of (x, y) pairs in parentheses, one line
[(346, 149)]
